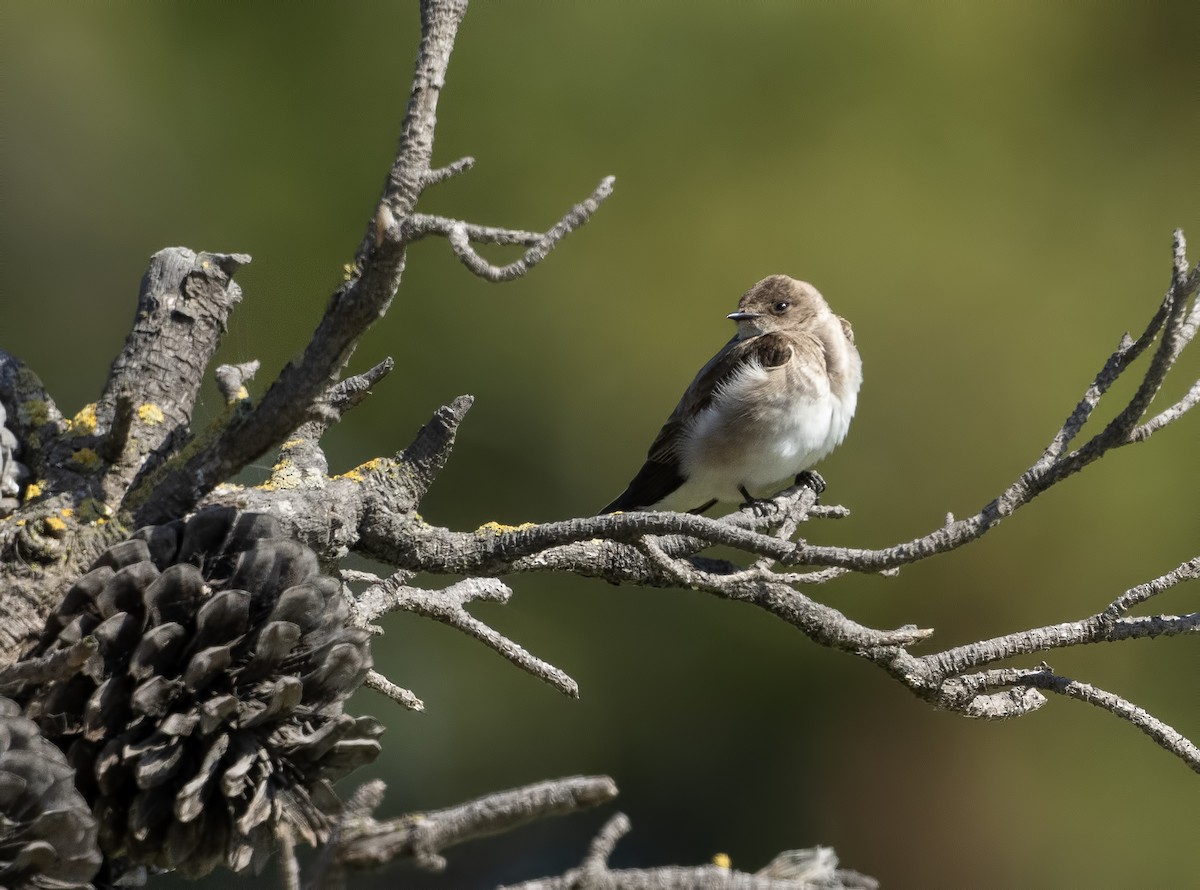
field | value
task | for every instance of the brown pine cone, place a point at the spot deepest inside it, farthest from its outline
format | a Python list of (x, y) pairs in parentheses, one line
[(210, 716), (47, 833)]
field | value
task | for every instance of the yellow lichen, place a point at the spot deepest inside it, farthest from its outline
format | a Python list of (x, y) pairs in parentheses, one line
[(68, 512), (150, 413), (497, 528), (348, 272), (722, 860), (83, 423), (85, 457), (34, 490), (54, 525), (286, 475), (358, 474)]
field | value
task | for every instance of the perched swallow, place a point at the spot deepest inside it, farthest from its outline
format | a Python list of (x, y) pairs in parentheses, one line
[(775, 400)]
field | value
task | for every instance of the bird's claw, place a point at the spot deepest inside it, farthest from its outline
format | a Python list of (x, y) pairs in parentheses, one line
[(761, 507), (812, 479)]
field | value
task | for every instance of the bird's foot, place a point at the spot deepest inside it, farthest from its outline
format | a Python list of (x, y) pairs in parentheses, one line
[(760, 506), (812, 479)]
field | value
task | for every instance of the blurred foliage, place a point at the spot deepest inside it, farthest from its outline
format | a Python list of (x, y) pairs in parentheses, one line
[(986, 190)]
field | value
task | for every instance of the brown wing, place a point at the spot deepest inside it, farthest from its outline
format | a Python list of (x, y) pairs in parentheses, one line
[(661, 474)]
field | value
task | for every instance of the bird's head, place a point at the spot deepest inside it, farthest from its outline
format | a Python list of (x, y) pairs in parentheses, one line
[(778, 303)]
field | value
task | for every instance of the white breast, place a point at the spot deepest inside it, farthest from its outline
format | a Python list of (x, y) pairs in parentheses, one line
[(762, 428)]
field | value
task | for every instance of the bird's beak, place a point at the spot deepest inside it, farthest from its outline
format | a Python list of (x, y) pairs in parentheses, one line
[(742, 316)]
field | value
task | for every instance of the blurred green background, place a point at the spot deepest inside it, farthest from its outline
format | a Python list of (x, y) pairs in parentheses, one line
[(987, 191)]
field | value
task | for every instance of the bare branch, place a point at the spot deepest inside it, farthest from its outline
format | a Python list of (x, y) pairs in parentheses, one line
[(430, 450), (1166, 737), (448, 607), (1096, 629), (339, 399), (351, 392), (352, 309), (327, 873), (462, 234), (1186, 571), (183, 310), (422, 225), (1170, 415), (232, 380), (441, 174), (1001, 705), (112, 447), (605, 842), (32, 415), (365, 297), (423, 836), (578, 215), (791, 870), (398, 694)]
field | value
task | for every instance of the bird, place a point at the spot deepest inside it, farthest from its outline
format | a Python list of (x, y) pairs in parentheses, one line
[(776, 399)]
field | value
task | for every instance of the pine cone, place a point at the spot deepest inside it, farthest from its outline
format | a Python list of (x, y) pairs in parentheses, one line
[(47, 833), (210, 716)]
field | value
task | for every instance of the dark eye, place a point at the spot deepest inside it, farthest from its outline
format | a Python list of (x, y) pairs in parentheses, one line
[(781, 307)]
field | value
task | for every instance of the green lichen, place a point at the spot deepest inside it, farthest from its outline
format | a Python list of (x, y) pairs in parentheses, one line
[(85, 457), (34, 412)]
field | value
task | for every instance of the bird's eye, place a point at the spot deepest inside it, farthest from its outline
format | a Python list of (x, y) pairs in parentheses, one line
[(781, 307)]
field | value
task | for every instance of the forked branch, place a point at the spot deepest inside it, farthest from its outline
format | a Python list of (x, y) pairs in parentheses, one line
[(375, 277)]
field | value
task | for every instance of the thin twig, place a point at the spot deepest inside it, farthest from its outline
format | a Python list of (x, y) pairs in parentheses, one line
[(422, 225), (791, 870), (398, 694), (1186, 571), (460, 239), (423, 836), (441, 174), (1156, 423), (603, 844), (449, 607), (1165, 736)]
